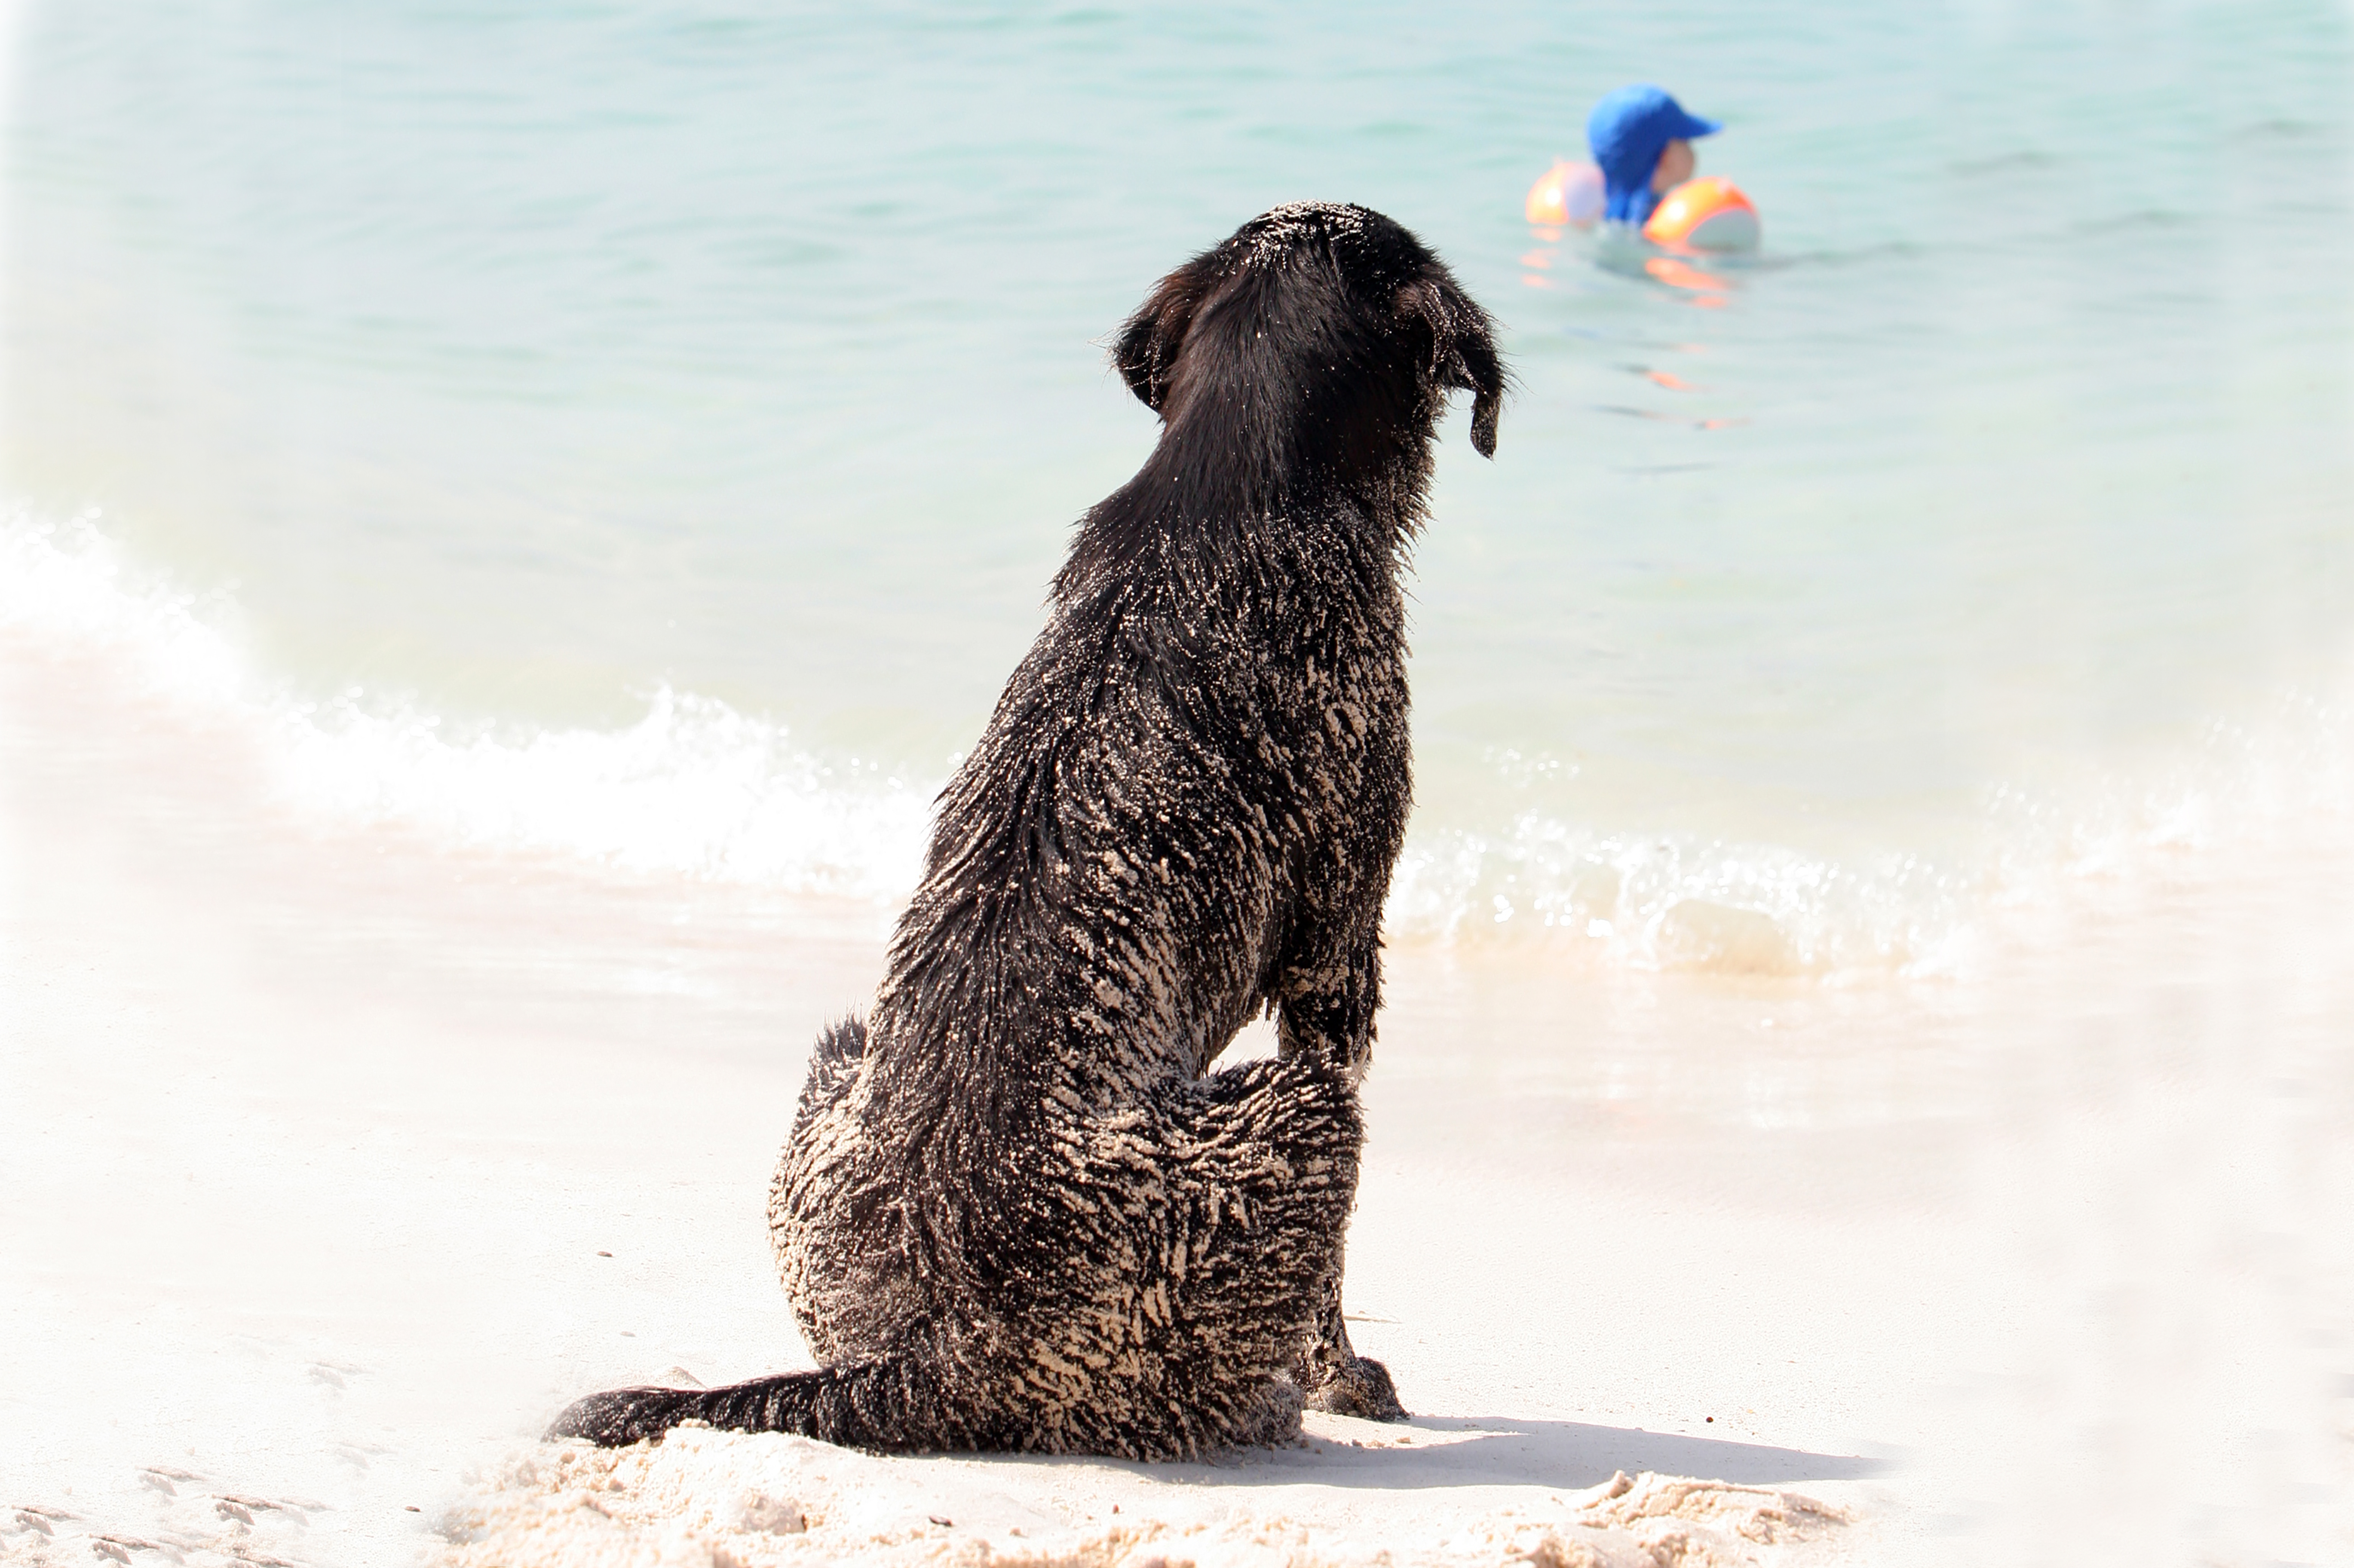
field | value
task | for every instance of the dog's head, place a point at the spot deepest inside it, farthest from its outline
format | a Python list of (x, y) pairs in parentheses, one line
[(1322, 328)]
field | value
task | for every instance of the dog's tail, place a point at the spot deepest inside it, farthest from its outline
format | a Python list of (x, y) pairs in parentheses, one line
[(892, 1403)]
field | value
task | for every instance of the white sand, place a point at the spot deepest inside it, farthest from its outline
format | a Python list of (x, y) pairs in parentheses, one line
[(317, 1142), (708, 1497)]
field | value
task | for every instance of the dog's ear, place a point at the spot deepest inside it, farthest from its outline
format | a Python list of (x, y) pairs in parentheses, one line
[(1149, 340), (1462, 348)]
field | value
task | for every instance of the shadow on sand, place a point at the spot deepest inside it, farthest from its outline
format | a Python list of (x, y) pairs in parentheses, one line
[(1473, 1451), (1497, 1451)]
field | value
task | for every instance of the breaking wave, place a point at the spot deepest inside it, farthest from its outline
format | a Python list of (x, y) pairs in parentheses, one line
[(696, 787), (1678, 902)]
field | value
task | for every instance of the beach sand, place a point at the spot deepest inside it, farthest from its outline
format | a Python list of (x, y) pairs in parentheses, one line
[(338, 1158)]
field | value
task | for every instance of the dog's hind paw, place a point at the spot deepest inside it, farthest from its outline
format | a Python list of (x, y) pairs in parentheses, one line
[(623, 1415), (1361, 1387)]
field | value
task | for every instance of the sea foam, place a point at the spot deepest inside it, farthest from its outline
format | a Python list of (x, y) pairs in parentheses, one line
[(1675, 901), (696, 787)]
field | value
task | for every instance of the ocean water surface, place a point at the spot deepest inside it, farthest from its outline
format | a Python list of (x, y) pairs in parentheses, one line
[(645, 432)]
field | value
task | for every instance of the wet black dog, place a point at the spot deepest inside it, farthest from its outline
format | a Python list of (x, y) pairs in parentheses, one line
[(1017, 1211)]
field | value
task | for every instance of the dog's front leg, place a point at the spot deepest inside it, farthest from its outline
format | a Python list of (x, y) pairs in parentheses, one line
[(1325, 1009), (1326, 1013), (1336, 1378)]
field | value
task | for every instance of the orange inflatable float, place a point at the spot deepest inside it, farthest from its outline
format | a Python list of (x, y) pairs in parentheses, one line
[(1566, 193), (1705, 214)]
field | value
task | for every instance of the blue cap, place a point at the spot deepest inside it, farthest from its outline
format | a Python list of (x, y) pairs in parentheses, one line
[(1629, 131)]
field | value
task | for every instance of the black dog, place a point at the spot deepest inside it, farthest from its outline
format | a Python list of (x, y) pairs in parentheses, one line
[(1017, 1211)]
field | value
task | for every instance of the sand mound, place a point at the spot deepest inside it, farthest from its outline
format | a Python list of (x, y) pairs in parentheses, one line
[(712, 1500)]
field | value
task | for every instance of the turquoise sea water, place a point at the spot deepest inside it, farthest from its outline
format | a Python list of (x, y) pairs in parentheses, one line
[(648, 430)]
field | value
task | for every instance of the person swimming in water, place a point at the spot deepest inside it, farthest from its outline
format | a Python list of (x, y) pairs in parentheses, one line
[(1642, 142)]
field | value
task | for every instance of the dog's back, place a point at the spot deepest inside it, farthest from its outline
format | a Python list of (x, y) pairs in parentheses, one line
[(1014, 1210)]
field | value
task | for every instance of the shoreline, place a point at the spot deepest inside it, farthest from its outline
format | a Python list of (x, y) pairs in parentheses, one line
[(320, 1139)]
